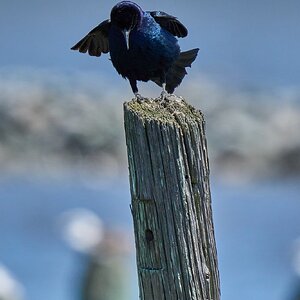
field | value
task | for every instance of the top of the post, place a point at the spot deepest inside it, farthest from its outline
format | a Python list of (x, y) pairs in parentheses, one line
[(172, 109)]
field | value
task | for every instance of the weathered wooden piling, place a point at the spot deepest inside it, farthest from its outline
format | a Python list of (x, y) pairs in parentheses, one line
[(171, 201)]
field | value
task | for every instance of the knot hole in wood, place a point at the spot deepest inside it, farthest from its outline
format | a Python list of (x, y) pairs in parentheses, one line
[(149, 235)]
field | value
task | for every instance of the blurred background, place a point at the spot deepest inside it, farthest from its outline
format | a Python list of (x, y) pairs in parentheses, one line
[(65, 225)]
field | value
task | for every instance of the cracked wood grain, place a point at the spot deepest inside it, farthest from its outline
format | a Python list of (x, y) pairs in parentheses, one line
[(171, 202)]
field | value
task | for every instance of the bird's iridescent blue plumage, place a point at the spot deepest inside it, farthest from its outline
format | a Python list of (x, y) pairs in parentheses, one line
[(142, 45), (151, 50)]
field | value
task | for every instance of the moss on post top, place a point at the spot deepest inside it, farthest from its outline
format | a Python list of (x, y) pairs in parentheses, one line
[(172, 110)]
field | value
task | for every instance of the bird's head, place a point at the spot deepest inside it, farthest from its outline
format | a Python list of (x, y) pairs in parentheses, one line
[(126, 15)]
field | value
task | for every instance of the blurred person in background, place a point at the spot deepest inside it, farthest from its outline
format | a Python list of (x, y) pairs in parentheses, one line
[(105, 255)]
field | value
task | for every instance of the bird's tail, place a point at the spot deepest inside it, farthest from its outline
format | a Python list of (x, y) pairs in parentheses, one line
[(177, 72)]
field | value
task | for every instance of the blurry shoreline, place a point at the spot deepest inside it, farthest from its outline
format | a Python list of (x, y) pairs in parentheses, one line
[(53, 123)]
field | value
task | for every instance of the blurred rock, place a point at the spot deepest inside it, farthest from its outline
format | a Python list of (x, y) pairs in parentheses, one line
[(53, 123), (105, 252)]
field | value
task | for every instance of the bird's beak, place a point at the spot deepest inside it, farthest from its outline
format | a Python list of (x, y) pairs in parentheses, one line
[(126, 36)]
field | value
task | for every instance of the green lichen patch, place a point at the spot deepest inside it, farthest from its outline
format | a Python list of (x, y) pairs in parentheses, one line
[(174, 110)]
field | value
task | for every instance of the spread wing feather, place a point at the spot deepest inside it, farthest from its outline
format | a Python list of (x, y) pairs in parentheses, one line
[(169, 23), (96, 41)]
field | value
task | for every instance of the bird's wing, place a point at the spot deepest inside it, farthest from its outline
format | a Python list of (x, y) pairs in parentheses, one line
[(96, 41), (170, 23)]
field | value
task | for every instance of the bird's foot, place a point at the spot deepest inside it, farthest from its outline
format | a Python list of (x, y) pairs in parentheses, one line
[(164, 92), (164, 95), (138, 97)]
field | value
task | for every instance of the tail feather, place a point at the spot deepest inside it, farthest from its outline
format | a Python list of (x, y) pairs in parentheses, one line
[(177, 72)]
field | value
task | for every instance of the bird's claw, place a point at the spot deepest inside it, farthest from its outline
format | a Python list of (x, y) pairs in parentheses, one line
[(164, 95), (138, 97)]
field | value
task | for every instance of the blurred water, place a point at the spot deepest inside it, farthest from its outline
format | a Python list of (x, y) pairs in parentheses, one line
[(255, 226), (31, 239)]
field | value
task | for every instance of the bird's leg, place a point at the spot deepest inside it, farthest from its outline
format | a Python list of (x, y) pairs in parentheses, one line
[(164, 92), (138, 97), (134, 88)]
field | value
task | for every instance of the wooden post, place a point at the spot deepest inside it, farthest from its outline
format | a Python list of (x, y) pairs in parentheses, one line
[(171, 202)]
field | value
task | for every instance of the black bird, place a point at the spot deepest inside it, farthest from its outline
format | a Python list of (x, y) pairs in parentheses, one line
[(142, 46)]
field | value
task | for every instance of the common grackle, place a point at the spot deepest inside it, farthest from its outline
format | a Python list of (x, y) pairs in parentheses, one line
[(142, 46)]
